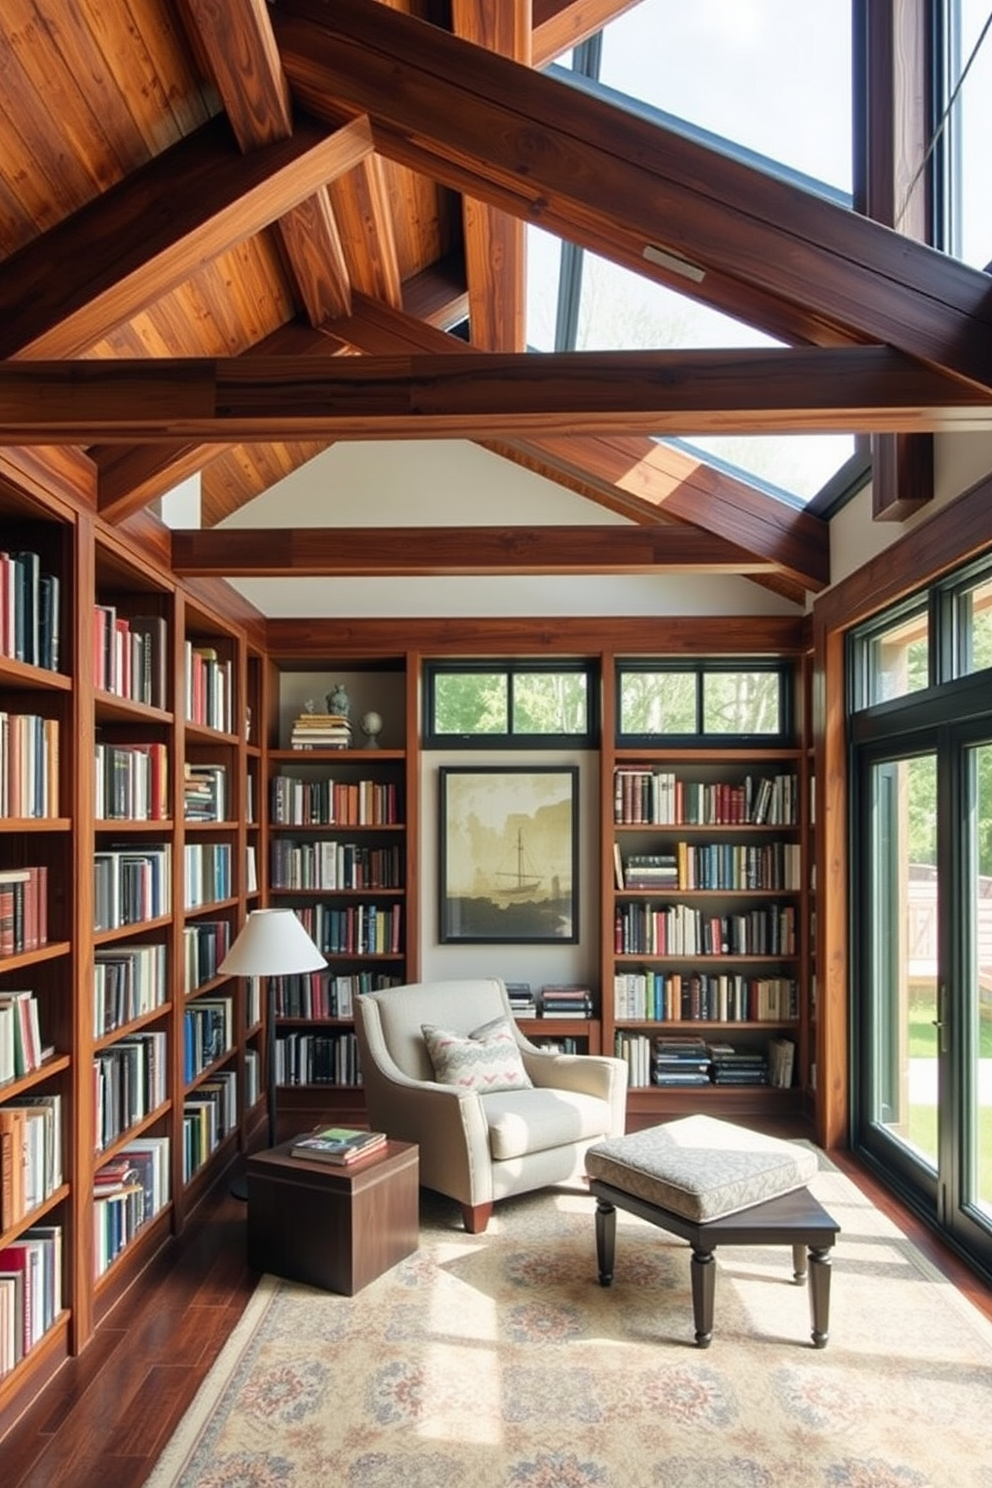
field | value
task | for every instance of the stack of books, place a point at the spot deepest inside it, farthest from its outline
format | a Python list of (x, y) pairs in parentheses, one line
[(566, 1001), (738, 1066), (338, 1145), (522, 999), (658, 871), (680, 1061), (321, 731)]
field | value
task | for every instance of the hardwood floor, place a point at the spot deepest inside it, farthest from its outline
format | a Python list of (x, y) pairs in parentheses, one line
[(107, 1415)]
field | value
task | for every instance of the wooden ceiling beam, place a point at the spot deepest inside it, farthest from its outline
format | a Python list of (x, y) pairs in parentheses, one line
[(495, 245), (633, 475), (244, 61), (365, 222), (559, 25), (637, 475), (429, 551), (481, 394), (149, 234), (611, 181), (131, 475)]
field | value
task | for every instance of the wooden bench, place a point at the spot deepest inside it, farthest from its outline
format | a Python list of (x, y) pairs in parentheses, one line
[(714, 1183)]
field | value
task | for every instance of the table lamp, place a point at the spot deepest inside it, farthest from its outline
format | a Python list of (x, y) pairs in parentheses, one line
[(272, 943)]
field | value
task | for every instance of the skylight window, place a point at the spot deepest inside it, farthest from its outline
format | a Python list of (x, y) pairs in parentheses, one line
[(767, 80)]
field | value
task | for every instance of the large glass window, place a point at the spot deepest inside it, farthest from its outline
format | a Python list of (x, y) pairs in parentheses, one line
[(702, 702), (964, 108), (516, 702)]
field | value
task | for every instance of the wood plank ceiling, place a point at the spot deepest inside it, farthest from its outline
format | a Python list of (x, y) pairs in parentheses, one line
[(248, 193)]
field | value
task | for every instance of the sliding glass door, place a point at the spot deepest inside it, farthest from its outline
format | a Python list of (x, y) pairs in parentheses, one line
[(923, 986)]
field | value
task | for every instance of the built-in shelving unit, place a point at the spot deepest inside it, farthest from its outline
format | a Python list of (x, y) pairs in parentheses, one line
[(338, 851)]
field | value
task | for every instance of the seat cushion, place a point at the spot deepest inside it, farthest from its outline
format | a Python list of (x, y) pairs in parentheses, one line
[(525, 1121), (486, 1059), (701, 1167)]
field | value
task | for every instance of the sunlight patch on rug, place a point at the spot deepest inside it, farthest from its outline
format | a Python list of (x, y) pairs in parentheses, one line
[(497, 1361)]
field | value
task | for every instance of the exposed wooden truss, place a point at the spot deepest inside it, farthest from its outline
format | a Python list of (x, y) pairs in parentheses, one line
[(364, 188)]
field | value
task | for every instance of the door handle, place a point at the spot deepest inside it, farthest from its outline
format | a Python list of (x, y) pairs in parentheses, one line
[(940, 1022)]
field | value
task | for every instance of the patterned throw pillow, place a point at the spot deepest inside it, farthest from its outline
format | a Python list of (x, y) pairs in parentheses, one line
[(487, 1059)]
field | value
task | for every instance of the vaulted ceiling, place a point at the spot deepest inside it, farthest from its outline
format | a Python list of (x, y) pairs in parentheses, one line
[(232, 232)]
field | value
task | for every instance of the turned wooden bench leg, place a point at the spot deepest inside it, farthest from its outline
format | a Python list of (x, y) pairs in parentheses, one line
[(703, 1272), (819, 1295), (606, 1240)]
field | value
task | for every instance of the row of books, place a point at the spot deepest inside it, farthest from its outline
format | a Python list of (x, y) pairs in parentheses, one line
[(30, 1291), (205, 944), (210, 1112), (21, 1048), (208, 873), (128, 982), (325, 994), (335, 866), (23, 909), (333, 803), (131, 884), (130, 1082), (717, 997), (663, 798), (354, 930), (732, 866), (30, 1154), (130, 655), (321, 731), (29, 610), (128, 1191), (208, 1024), (209, 688), (132, 782), (683, 930), (29, 765), (317, 1059)]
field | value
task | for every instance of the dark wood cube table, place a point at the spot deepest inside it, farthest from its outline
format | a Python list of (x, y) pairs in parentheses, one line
[(333, 1227)]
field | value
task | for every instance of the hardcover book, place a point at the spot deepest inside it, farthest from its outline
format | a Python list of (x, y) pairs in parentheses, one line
[(338, 1145)]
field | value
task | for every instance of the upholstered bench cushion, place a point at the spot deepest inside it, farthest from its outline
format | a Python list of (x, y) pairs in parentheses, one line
[(525, 1121), (700, 1167)]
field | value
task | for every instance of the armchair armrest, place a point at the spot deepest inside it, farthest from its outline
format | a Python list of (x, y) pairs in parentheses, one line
[(599, 1075)]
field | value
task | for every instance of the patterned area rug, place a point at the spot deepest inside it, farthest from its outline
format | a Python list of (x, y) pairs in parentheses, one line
[(497, 1361)]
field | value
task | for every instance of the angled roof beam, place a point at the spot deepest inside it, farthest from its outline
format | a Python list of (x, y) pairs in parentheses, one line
[(494, 240), (244, 60), (483, 394), (617, 184), (561, 24), (101, 266), (426, 551), (132, 475), (632, 475)]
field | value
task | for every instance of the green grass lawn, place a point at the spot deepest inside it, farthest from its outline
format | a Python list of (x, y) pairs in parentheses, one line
[(923, 1119)]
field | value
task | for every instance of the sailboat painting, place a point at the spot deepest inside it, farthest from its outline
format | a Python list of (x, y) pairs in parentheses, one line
[(509, 856)]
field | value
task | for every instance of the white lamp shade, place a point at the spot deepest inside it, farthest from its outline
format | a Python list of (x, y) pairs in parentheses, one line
[(272, 942)]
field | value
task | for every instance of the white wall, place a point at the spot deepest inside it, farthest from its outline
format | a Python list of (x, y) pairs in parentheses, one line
[(959, 461), (428, 483)]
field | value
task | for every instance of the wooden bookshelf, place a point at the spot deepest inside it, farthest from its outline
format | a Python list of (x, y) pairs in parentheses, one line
[(338, 850)]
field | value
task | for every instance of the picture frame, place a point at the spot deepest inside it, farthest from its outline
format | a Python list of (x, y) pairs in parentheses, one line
[(508, 848)]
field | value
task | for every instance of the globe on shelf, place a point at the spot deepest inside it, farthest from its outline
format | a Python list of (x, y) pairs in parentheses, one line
[(371, 728)]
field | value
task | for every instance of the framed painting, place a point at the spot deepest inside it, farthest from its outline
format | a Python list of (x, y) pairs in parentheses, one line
[(509, 853)]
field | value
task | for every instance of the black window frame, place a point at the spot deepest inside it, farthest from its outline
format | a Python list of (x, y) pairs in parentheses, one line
[(510, 668), (783, 737)]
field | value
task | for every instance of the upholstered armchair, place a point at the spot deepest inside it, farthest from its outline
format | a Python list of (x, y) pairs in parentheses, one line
[(445, 1065)]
